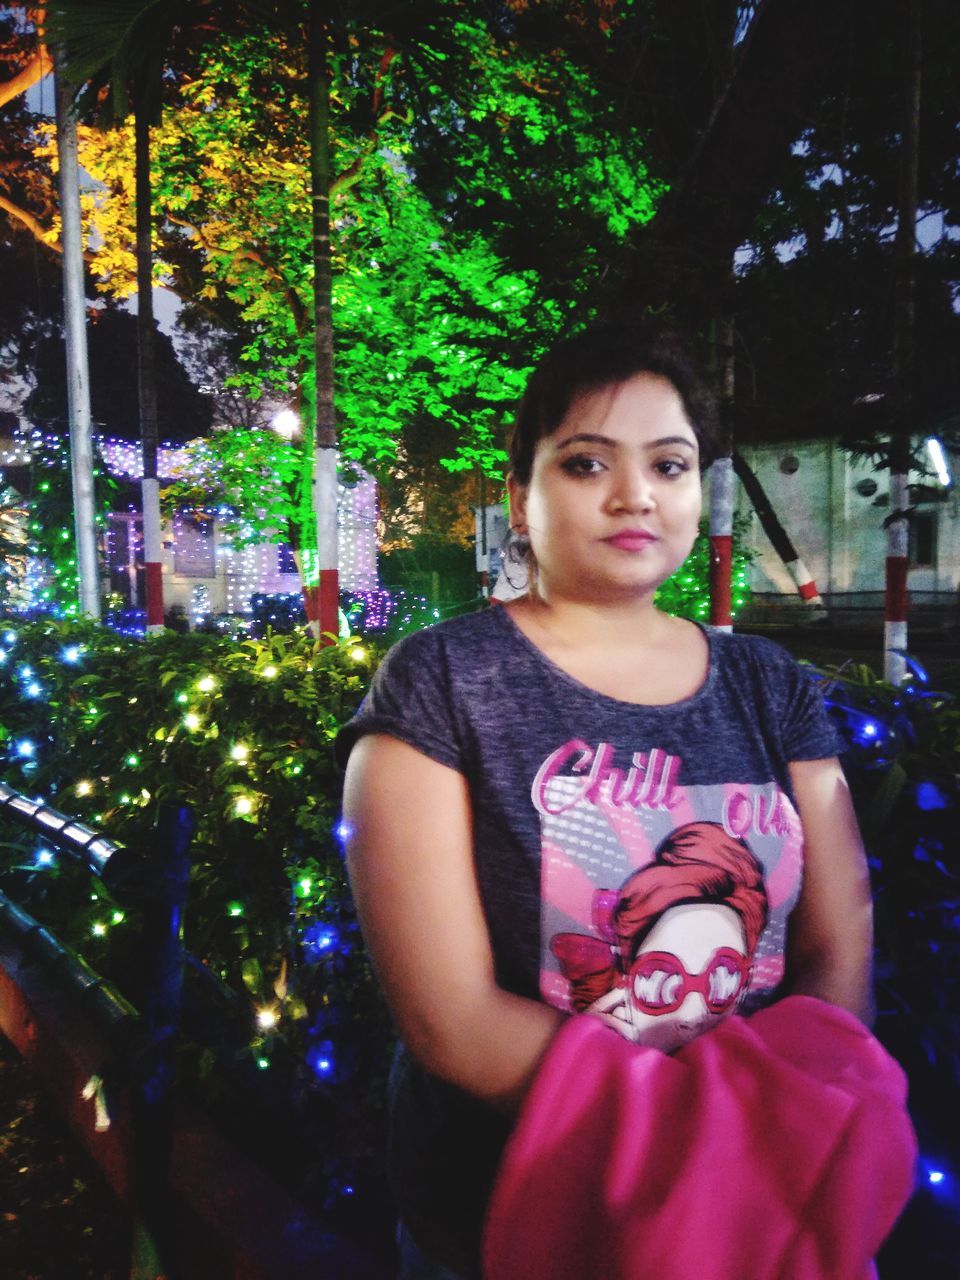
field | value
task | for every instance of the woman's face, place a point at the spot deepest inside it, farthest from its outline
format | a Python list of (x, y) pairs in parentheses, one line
[(613, 503), (688, 975)]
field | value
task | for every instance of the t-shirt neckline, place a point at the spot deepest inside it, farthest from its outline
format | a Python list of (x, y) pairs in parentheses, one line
[(565, 676)]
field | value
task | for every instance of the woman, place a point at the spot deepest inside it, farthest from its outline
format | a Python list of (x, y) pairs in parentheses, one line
[(506, 765)]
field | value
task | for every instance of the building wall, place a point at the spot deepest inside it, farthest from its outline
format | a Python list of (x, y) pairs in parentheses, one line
[(837, 530)]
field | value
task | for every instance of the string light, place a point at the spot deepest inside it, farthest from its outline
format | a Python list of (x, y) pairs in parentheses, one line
[(239, 752), (192, 721), (267, 1018), (243, 805)]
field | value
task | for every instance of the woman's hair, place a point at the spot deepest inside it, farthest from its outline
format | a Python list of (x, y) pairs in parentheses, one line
[(606, 355), (696, 863)]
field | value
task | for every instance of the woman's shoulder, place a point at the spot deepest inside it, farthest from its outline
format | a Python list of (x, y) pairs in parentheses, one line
[(449, 644), (741, 649)]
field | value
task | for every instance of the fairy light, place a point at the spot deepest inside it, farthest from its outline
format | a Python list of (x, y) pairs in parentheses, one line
[(99, 930), (240, 752), (269, 672), (207, 684), (267, 1018), (192, 721), (243, 805), (234, 910), (132, 760), (84, 787)]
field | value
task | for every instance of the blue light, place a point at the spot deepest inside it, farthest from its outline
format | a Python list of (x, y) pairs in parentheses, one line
[(45, 857), (870, 729), (71, 653), (929, 796), (319, 938), (343, 830), (33, 689), (320, 1060), (936, 1176), (26, 672), (25, 748), (10, 637)]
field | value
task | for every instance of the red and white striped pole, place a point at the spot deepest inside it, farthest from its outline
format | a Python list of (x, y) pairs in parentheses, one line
[(722, 489), (326, 497), (897, 599), (152, 552)]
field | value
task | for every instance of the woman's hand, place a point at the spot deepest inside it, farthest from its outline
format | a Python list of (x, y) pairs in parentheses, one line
[(410, 858), (830, 933)]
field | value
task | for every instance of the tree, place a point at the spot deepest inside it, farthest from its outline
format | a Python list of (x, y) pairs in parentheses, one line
[(123, 46)]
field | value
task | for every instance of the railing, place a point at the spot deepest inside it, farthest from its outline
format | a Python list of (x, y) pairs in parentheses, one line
[(157, 886)]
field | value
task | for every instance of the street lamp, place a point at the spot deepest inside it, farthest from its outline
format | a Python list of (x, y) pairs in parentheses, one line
[(286, 424)]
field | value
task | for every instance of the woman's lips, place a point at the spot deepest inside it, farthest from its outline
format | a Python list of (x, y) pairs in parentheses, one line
[(631, 540)]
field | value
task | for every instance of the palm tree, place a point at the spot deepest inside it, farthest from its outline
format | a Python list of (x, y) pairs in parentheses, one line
[(117, 52), (123, 45)]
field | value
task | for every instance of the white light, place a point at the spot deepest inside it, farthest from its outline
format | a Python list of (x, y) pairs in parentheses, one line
[(286, 424), (266, 1018), (239, 752), (935, 450)]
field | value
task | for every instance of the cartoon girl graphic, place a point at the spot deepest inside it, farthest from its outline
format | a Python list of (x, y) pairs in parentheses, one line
[(678, 940)]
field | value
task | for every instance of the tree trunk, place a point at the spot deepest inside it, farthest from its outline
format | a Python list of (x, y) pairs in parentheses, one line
[(904, 363), (321, 590), (78, 369), (147, 379)]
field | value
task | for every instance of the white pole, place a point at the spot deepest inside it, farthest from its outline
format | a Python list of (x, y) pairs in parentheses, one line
[(78, 376)]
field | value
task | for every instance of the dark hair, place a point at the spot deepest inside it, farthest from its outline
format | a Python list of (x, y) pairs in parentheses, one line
[(606, 355)]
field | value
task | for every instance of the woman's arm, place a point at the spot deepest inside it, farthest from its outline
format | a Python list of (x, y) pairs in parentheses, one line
[(410, 858), (830, 933)]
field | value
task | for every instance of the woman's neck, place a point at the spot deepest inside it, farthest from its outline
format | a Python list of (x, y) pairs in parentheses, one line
[(579, 623)]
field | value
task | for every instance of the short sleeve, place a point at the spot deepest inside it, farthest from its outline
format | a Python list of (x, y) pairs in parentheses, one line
[(807, 732), (410, 698)]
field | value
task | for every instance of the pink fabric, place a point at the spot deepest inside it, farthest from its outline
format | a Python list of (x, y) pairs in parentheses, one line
[(774, 1148)]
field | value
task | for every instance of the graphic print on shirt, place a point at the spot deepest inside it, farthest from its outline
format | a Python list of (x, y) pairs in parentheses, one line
[(660, 898)]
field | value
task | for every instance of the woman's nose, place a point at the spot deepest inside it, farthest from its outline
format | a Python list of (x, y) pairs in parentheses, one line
[(632, 490)]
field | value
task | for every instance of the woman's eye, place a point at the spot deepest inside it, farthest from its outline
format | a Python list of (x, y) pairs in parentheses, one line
[(672, 467), (581, 464)]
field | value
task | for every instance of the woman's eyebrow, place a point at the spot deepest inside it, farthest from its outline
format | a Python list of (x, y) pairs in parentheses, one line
[(591, 437)]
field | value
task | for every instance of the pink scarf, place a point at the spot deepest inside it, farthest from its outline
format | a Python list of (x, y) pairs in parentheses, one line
[(774, 1148)]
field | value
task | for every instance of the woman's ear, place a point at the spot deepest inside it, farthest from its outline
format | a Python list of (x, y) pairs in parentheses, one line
[(517, 494)]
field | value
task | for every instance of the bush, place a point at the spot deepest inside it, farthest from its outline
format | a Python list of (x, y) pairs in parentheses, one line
[(109, 729)]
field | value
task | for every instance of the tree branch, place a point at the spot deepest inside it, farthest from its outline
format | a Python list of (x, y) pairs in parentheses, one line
[(39, 66), (36, 227)]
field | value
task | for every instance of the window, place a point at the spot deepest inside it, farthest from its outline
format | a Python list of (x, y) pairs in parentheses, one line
[(923, 540)]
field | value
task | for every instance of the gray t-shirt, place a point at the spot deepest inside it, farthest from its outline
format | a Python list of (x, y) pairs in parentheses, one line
[(580, 802)]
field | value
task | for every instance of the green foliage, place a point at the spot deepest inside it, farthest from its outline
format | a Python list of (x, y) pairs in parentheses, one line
[(687, 592), (50, 525), (243, 735), (906, 785)]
